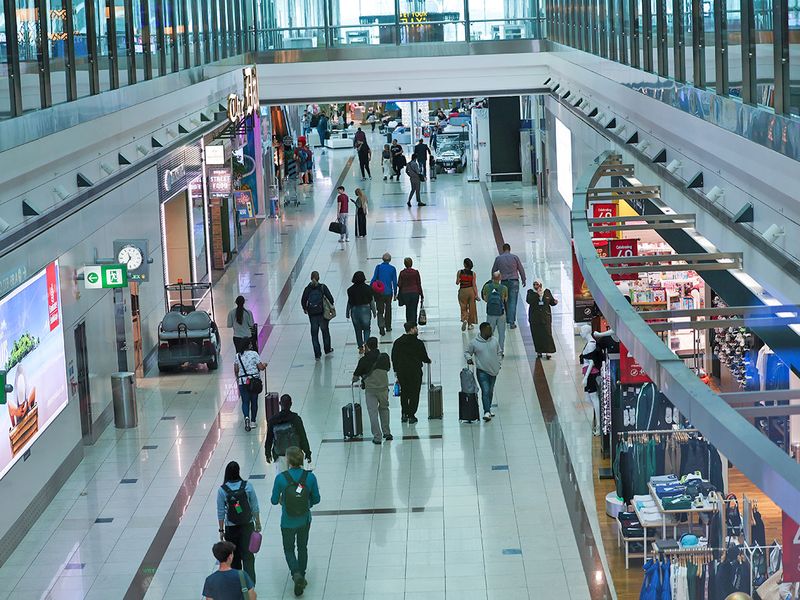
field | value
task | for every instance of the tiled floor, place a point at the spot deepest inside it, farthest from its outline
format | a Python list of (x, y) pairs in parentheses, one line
[(493, 524)]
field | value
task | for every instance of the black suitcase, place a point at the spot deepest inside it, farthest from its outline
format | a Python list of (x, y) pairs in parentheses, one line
[(352, 424), (468, 407), (434, 398)]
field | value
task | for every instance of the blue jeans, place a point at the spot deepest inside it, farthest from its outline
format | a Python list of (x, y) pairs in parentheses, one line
[(513, 295), (319, 322), (249, 402), (486, 383), (362, 317)]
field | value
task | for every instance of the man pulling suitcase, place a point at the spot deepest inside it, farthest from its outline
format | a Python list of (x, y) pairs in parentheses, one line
[(484, 351)]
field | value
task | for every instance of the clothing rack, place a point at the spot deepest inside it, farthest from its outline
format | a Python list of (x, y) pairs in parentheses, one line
[(751, 550), (645, 434)]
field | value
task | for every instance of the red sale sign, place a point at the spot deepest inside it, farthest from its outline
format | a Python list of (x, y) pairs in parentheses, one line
[(630, 371), (52, 296), (791, 549), (622, 249), (604, 210)]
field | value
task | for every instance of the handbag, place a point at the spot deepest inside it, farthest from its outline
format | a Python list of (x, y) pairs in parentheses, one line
[(423, 316), (336, 227), (396, 390), (328, 309), (254, 384), (255, 542)]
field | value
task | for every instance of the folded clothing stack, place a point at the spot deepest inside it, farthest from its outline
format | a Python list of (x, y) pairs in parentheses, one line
[(664, 490), (678, 502), (649, 515), (629, 525), (656, 479)]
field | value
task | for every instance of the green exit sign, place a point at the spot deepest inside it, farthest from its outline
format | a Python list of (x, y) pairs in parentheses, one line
[(105, 276)]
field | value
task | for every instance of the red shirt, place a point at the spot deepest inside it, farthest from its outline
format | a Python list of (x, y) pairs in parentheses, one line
[(344, 202)]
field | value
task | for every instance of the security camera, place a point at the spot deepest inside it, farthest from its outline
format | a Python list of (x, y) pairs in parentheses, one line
[(715, 193), (772, 233), (4, 225), (674, 166)]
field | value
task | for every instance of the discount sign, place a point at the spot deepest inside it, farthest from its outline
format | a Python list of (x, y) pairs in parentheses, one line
[(623, 249), (604, 210), (631, 372)]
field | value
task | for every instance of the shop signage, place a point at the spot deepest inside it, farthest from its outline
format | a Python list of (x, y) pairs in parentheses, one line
[(791, 549), (244, 204), (105, 276), (52, 296), (219, 182), (215, 155), (240, 107), (630, 371), (604, 210), (621, 249), (172, 177)]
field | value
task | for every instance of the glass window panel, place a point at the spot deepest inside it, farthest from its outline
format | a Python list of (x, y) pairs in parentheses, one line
[(765, 72), (301, 23), (28, 35), (81, 47), (734, 13), (168, 6), (155, 24), (670, 18), (794, 52), (5, 94), (506, 19), (442, 24), (101, 31), (688, 36), (57, 43), (710, 45)]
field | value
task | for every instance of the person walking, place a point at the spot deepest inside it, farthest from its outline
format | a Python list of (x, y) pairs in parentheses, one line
[(361, 307), (238, 517), (247, 367), (467, 295), (386, 274), (372, 119), (540, 319), (409, 290), (415, 177), (422, 152), (342, 210), (373, 370), (408, 356), (322, 130), (364, 156), (227, 582), (386, 162), (511, 272), (398, 158), (361, 213), (243, 324), (284, 430), (313, 304), (297, 491), (484, 352), (305, 123), (495, 294), (305, 160)]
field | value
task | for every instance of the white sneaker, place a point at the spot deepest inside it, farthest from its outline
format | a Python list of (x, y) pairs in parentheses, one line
[(491, 413), (487, 416)]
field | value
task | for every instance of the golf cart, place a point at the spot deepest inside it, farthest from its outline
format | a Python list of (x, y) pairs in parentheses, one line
[(451, 153), (187, 334)]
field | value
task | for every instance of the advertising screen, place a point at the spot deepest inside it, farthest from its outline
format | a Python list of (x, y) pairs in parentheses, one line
[(564, 162), (32, 351)]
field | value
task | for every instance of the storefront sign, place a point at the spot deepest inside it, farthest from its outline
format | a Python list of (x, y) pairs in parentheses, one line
[(215, 155), (172, 177), (630, 371), (604, 210), (240, 107), (621, 249), (244, 204), (219, 182), (791, 549), (176, 171)]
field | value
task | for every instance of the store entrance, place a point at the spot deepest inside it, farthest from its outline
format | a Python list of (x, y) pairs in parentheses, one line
[(82, 379), (177, 242)]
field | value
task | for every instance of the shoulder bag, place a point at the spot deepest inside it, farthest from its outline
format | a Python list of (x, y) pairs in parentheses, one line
[(253, 383), (328, 309)]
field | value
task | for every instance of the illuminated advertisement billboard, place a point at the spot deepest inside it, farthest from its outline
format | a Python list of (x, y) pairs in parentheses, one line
[(32, 352)]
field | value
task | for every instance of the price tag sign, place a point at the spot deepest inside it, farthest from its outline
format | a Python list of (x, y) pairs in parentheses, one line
[(791, 549), (631, 372)]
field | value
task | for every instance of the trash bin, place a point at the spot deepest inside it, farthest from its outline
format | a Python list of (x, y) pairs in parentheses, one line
[(123, 392)]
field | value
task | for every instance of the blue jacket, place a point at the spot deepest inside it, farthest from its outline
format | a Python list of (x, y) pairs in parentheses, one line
[(387, 274), (287, 521)]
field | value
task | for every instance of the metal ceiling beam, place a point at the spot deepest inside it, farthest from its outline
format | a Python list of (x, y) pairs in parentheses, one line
[(642, 227), (716, 323), (738, 398), (712, 266), (643, 219), (751, 412), (689, 258), (739, 311)]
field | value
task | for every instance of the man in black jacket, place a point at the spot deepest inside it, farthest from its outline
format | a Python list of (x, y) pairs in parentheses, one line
[(422, 152), (408, 355), (373, 370), (285, 427), (313, 303)]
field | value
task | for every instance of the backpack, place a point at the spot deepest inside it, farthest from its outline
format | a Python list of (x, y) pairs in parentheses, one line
[(238, 505), (494, 303), (295, 495), (733, 520), (284, 437), (314, 304)]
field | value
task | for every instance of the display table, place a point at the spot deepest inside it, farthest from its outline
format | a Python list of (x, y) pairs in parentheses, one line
[(339, 142), (706, 508)]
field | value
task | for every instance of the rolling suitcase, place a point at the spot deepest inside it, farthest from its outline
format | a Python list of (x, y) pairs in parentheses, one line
[(352, 425), (434, 398), (271, 406), (468, 409)]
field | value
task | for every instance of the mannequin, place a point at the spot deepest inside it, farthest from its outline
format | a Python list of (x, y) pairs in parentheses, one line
[(591, 361)]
